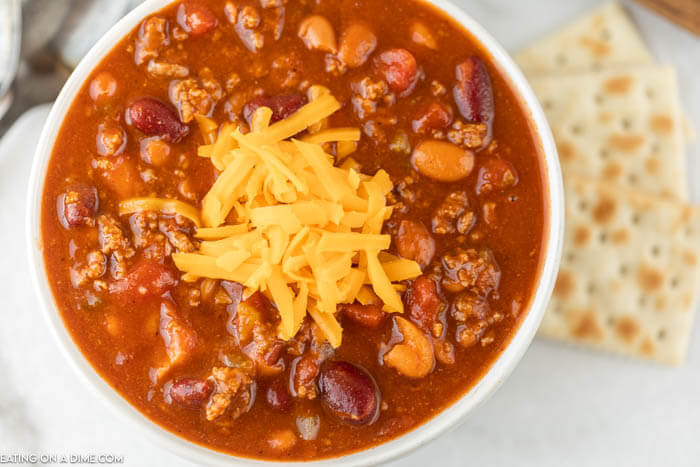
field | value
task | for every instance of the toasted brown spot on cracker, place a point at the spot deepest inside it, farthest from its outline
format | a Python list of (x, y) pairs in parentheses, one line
[(652, 165), (690, 258), (650, 279), (605, 117), (595, 46), (565, 284), (661, 123), (587, 327), (619, 84), (566, 150), (625, 143), (581, 236), (604, 211), (647, 347), (620, 236), (627, 329), (612, 171), (660, 303)]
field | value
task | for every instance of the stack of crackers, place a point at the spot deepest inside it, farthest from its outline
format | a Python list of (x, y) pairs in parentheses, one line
[(630, 269)]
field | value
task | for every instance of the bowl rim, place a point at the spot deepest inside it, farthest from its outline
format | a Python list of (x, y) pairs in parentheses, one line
[(419, 436)]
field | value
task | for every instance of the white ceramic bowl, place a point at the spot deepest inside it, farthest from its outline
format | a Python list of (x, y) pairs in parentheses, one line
[(450, 417)]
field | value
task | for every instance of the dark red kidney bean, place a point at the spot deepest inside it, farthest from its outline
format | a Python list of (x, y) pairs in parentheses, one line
[(473, 92), (495, 175), (399, 68), (369, 316), (433, 116), (349, 392), (155, 118), (423, 302), (282, 106), (278, 397), (413, 241), (191, 392), (77, 206), (195, 18)]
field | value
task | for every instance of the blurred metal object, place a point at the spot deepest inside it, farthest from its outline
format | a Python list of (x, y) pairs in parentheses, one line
[(55, 35), (10, 36)]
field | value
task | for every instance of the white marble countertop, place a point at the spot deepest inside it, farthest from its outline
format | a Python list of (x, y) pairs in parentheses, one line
[(562, 406)]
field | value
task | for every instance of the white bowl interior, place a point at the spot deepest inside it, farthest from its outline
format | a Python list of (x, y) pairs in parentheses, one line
[(450, 417)]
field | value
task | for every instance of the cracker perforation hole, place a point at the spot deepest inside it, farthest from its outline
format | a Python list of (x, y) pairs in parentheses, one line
[(642, 300), (650, 93), (661, 334), (604, 153), (547, 104), (655, 148), (626, 123), (582, 205), (560, 59), (576, 129), (599, 99), (624, 269), (632, 179), (675, 282), (636, 218), (570, 257), (591, 288), (655, 250), (603, 237)]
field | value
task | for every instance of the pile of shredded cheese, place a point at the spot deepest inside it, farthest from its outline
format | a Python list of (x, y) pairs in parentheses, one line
[(281, 218)]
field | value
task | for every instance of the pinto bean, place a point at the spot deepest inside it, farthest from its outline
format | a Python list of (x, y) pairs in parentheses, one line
[(442, 161), (399, 68), (413, 241), (102, 87), (155, 118), (473, 92), (496, 175), (191, 392), (369, 316), (304, 373), (282, 106), (318, 34), (414, 356), (423, 302), (78, 206), (195, 18), (357, 42), (349, 392), (111, 139)]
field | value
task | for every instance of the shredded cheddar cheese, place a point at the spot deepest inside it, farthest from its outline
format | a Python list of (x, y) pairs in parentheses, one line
[(283, 219)]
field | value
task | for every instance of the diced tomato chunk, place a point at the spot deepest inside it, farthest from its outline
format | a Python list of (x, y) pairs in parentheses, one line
[(399, 68), (179, 337), (122, 177), (433, 116), (195, 18), (496, 175), (423, 302), (147, 279)]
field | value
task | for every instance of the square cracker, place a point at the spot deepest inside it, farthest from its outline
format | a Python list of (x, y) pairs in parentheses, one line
[(604, 38), (621, 126), (630, 272)]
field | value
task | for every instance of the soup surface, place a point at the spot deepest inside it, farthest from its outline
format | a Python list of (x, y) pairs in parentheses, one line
[(203, 356)]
